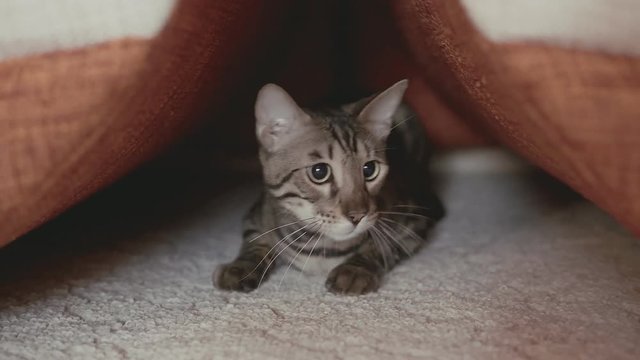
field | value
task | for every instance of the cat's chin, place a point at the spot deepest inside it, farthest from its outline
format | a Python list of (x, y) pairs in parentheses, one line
[(344, 237), (350, 234)]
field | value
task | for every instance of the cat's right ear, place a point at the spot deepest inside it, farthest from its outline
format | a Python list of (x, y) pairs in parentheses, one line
[(277, 116), (377, 115)]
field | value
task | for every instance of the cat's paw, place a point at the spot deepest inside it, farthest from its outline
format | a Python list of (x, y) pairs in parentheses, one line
[(350, 279), (237, 276)]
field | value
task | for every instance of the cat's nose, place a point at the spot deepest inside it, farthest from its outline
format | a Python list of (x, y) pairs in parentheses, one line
[(355, 218)]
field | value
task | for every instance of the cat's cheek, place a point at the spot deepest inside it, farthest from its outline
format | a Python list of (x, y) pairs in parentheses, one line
[(300, 208)]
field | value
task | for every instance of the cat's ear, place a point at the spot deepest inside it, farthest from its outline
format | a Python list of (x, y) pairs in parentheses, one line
[(277, 116), (377, 115)]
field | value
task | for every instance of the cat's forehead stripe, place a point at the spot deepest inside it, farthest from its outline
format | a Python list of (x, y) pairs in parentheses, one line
[(315, 155), (354, 141), (348, 137), (368, 149), (334, 133)]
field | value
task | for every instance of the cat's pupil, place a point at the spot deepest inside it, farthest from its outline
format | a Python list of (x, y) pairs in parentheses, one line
[(369, 170), (320, 171)]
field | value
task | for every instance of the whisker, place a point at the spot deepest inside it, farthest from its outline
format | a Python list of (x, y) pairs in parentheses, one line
[(405, 214), (376, 241), (387, 246), (402, 122), (279, 227), (312, 249), (275, 245), (388, 231), (296, 256), (383, 239), (277, 255), (411, 207), (409, 231)]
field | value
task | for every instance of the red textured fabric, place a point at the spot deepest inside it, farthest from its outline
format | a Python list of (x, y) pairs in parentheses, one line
[(62, 137), (73, 122), (382, 57), (574, 113)]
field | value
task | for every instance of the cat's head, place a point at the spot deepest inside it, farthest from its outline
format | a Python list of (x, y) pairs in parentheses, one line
[(326, 167)]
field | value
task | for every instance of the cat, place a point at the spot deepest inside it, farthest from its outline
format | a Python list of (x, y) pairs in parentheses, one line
[(346, 192)]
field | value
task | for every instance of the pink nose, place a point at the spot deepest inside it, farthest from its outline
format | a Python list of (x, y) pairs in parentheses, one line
[(355, 218)]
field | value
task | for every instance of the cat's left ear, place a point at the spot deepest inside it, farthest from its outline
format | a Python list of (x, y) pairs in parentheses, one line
[(377, 115)]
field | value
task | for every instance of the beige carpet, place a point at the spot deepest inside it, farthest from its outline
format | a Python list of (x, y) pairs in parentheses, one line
[(519, 269)]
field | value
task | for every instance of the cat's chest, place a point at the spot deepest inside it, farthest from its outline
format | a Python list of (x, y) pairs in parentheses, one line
[(319, 265), (321, 259)]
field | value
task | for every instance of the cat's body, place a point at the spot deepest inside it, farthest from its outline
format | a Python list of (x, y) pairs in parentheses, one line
[(346, 193)]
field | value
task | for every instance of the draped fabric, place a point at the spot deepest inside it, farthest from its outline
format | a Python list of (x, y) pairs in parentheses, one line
[(76, 118)]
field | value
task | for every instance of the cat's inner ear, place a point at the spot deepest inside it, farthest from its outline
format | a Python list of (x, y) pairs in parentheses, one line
[(278, 117), (377, 115)]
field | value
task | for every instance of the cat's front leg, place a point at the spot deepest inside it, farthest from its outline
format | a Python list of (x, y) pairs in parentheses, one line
[(252, 266), (363, 272), (360, 274)]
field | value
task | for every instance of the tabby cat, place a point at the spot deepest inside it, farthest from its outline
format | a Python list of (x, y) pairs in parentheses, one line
[(346, 192)]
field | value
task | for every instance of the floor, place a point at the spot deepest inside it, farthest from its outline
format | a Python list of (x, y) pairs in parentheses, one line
[(520, 268)]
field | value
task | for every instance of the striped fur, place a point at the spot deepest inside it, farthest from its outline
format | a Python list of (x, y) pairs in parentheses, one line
[(314, 227)]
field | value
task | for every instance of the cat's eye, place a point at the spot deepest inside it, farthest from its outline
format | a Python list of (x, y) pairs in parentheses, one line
[(319, 173), (370, 170)]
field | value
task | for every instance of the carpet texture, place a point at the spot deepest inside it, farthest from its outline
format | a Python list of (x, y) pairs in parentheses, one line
[(519, 269)]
